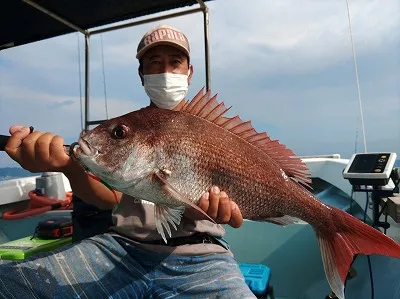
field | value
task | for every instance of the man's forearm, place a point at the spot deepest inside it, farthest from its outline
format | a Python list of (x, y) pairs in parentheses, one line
[(90, 190)]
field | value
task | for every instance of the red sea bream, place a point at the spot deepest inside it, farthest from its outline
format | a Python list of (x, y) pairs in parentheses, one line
[(171, 158)]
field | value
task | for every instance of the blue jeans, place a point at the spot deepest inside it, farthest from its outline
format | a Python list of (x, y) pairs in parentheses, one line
[(106, 267)]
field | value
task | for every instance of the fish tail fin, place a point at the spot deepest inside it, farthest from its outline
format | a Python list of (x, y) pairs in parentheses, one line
[(352, 237)]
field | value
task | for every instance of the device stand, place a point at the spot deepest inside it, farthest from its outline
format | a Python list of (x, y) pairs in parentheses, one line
[(376, 196)]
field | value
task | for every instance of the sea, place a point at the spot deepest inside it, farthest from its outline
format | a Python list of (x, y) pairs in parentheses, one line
[(8, 173)]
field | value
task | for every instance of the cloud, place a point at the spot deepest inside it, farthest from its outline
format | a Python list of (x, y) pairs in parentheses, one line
[(293, 36), (60, 104), (64, 120)]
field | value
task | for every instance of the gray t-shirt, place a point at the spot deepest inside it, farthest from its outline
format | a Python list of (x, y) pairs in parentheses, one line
[(134, 220)]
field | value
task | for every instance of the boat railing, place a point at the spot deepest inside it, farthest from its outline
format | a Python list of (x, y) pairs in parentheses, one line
[(331, 156)]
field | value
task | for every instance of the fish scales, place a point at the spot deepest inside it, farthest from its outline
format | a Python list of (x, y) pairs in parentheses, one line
[(240, 169), (191, 147)]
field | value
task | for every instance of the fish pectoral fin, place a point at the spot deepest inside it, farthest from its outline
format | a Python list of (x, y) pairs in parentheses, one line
[(167, 216), (179, 197), (285, 220)]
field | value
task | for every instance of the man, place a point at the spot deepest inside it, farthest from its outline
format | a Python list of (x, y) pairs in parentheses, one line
[(131, 260)]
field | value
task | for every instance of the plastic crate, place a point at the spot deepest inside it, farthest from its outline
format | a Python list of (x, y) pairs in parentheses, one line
[(257, 277)]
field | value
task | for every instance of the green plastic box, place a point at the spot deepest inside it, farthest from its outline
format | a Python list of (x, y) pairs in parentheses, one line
[(25, 247)]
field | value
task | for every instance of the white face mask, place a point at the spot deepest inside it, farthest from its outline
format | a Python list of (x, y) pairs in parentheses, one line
[(166, 90)]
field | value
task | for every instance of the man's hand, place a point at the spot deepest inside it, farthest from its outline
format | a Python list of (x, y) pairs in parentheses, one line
[(37, 152), (218, 206)]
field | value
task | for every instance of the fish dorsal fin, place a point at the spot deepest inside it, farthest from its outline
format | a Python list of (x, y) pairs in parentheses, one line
[(209, 109)]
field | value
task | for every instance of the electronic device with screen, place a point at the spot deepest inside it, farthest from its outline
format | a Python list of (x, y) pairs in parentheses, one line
[(373, 169), (375, 173)]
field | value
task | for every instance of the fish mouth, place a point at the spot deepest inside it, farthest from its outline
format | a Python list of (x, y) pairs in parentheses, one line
[(85, 148)]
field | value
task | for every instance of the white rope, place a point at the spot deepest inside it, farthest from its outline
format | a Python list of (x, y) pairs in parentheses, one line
[(104, 76), (357, 81), (355, 143)]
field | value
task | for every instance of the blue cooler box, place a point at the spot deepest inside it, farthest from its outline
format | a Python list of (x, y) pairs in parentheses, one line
[(257, 277)]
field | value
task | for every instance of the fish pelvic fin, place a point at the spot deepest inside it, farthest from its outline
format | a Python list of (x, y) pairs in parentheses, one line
[(352, 237), (208, 108), (179, 198), (165, 217)]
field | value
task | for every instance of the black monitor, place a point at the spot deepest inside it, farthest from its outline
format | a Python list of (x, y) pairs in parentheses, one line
[(372, 169)]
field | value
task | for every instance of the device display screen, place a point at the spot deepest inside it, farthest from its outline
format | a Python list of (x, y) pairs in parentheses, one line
[(369, 163)]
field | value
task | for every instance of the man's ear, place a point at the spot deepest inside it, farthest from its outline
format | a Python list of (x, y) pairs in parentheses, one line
[(141, 77), (190, 74)]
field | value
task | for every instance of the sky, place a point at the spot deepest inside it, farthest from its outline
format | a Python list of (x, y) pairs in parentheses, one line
[(285, 65)]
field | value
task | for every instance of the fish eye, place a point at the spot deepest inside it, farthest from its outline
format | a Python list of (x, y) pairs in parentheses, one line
[(120, 131)]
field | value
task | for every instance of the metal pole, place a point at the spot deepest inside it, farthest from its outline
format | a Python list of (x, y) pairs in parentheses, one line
[(130, 24), (206, 49), (95, 122), (206, 43), (87, 44), (53, 15)]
